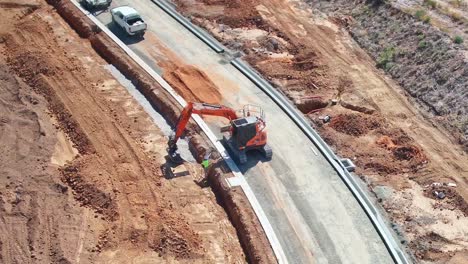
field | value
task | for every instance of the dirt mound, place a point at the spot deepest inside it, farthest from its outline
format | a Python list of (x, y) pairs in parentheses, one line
[(381, 168), (176, 244), (354, 124), (406, 151), (88, 194), (30, 64), (242, 13), (429, 247), (305, 61), (193, 84)]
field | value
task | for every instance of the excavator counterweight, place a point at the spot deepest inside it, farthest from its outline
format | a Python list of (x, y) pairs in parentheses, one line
[(246, 131)]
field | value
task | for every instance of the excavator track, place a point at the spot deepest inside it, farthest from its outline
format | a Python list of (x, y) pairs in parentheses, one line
[(239, 156), (267, 151)]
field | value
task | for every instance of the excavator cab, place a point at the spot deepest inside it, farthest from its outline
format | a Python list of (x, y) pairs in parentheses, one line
[(244, 129)]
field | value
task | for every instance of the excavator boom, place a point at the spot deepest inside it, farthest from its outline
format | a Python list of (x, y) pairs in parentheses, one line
[(195, 108), (201, 109), (247, 131)]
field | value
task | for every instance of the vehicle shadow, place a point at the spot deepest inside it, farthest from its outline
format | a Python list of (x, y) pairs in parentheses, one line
[(122, 35), (98, 12), (94, 11)]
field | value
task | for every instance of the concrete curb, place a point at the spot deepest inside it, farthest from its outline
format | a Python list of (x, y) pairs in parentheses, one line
[(372, 212), (206, 38), (240, 179)]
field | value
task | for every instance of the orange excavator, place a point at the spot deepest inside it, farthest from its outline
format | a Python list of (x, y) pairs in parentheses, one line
[(246, 130)]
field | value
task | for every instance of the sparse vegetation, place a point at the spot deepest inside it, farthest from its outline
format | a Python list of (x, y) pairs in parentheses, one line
[(456, 3), (422, 44), (376, 2), (455, 16), (386, 58), (431, 3), (458, 40), (423, 16)]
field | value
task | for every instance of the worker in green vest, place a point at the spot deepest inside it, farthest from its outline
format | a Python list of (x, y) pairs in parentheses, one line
[(206, 160)]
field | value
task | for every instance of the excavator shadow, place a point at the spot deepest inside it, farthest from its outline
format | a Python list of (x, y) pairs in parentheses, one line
[(173, 170), (194, 171), (253, 158)]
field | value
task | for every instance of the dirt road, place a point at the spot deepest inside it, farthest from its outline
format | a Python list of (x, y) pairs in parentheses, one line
[(80, 160), (305, 53)]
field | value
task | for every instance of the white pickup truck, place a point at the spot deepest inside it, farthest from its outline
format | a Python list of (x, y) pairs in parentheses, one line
[(129, 20)]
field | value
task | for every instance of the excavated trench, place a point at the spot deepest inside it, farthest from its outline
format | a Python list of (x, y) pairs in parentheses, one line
[(233, 200)]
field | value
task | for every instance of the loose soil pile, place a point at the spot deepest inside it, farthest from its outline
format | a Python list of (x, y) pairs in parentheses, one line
[(193, 84), (354, 124)]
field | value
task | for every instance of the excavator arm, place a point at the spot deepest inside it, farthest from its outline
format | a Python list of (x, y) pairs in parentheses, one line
[(196, 108)]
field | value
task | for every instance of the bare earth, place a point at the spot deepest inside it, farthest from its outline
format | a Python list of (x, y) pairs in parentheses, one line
[(403, 156), (80, 160)]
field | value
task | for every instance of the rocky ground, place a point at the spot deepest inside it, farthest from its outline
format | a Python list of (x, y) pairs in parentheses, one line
[(80, 177), (426, 62), (393, 133)]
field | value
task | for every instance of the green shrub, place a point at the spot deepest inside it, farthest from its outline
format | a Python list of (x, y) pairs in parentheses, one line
[(431, 3), (421, 15), (458, 40), (386, 58), (422, 44)]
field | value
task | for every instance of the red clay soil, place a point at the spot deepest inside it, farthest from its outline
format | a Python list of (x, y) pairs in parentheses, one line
[(67, 87), (175, 238), (376, 146), (354, 124), (111, 195), (192, 84)]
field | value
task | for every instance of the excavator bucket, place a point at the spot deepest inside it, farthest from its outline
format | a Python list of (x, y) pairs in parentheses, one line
[(175, 157), (173, 154)]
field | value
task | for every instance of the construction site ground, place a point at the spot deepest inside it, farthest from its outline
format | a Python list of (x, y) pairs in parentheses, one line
[(309, 207), (80, 179), (404, 157)]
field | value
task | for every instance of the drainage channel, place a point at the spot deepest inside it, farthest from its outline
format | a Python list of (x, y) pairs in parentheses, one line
[(158, 119)]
